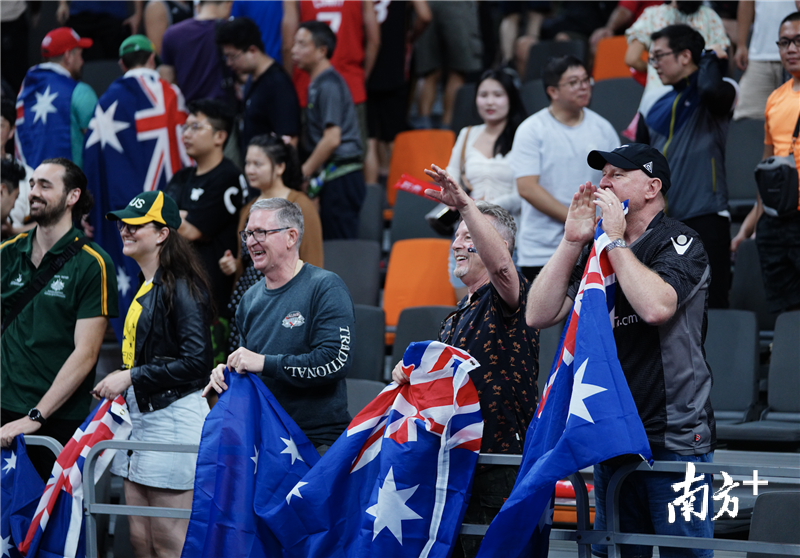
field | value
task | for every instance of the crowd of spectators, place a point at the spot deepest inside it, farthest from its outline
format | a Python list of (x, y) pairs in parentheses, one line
[(274, 116)]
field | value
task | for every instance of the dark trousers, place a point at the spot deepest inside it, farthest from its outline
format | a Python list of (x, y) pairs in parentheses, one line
[(42, 458), (339, 205), (715, 232), (489, 490)]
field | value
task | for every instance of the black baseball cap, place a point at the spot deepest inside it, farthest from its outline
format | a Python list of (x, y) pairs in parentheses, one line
[(634, 156)]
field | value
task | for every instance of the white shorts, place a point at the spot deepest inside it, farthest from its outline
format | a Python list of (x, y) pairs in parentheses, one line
[(179, 423)]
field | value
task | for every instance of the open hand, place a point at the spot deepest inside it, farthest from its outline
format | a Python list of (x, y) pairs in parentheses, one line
[(451, 193)]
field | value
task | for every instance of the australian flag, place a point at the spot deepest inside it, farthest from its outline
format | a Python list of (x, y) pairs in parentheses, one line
[(397, 481), (251, 455), (21, 490), (586, 414), (57, 526), (133, 145)]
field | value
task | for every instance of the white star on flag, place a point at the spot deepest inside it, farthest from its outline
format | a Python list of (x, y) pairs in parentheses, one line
[(391, 509), (104, 128), (44, 105), (291, 449), (11, 463), (295, 491), (581, 391), (123, 281), (5, 546), (255, 459)]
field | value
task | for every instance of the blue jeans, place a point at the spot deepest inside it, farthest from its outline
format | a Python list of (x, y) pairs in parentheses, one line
[(644, 507)]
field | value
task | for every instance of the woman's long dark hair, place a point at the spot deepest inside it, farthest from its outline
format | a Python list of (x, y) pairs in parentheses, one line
[(516, 110), (178, 260), (281, 153)]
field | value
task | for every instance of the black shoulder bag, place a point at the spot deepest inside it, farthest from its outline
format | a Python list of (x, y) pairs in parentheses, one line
[(777, 181), (43, 279)]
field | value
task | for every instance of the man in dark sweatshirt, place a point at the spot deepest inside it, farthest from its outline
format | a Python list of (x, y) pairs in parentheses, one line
[(296, 326)]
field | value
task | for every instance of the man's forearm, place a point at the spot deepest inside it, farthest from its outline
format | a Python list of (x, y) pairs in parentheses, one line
[(322, 152), (652, 298), (75, 369), (532, 192), (548, 294)]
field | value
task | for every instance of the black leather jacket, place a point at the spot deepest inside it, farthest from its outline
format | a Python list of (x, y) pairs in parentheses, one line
[(173, 350)]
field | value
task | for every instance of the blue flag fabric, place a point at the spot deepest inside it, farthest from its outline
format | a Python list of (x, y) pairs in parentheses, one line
[(251, 455), (397, 481), (21, 489), (586, 414), (133, 145), (43, 115)]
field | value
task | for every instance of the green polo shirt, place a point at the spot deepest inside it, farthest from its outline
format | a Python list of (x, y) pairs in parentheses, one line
[(35, 345)]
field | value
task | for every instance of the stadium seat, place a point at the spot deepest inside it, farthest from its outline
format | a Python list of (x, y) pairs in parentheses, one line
[(421, 323), (780, 422), (747, 286), (409, 220), (414, 151), (360, 393), (416, 276), (776, 519), (609, 60), (465, 113), (543, 51), (732, 352), (370, 226), (533, 96), (99, 74), (743, 151), (368, 348), (357, 262), (617, 100)]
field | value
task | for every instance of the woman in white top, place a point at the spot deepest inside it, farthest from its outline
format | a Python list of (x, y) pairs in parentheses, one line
[(482, 165), (480, 157)]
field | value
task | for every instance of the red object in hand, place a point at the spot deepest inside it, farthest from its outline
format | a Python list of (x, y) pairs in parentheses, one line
[(415, 186)]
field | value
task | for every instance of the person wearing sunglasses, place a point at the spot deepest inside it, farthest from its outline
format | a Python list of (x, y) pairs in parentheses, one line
[(166, 356)]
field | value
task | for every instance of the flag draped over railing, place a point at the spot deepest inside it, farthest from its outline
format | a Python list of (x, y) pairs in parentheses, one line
[(586, 415)]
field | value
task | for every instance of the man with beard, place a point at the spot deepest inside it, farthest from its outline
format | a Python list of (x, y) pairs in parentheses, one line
[(53, 107), (49, 346)]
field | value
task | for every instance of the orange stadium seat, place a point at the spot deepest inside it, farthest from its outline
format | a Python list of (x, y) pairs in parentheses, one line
[(609, 61), (416, 276), (414, 151)]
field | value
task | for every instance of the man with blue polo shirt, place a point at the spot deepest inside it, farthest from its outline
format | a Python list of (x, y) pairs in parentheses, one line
[(53, 107), (49, 346)]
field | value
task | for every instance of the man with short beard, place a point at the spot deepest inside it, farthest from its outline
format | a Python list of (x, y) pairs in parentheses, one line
[(50, 347), (54, 108)]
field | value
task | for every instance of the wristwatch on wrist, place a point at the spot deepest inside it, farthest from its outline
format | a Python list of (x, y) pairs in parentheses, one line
[(618, 243), (34, 414)]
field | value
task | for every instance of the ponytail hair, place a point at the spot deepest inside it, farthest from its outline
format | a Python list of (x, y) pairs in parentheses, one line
[(281, 153)]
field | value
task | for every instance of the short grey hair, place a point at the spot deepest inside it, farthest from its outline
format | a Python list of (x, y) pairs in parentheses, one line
[(287, 213), (503, 222)]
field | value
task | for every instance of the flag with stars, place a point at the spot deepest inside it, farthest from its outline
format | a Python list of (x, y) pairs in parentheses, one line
[(397, 481), (43, 115), (21, 489), (251, 456), (586, 414), (133, 145), (57, 526)]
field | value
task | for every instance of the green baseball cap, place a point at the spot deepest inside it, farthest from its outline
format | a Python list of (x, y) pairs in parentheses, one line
[(136, 43), (148, 207)]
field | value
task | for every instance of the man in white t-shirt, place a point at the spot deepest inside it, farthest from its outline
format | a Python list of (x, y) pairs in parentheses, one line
[(761, 61), (549, 159)]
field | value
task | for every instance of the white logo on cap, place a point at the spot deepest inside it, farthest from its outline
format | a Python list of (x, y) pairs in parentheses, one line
[(648, 166), (47, 40)]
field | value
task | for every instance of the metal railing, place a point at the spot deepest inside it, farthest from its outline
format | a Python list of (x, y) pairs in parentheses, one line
[(582, 535), (46, 441)]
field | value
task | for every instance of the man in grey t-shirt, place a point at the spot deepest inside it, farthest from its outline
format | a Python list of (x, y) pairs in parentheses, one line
[(331, 134), (296, 326)]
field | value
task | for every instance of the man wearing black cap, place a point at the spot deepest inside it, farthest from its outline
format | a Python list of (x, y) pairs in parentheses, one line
[(663, 273)]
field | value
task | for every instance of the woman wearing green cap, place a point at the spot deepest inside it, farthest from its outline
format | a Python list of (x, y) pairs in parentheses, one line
[(166, 355)]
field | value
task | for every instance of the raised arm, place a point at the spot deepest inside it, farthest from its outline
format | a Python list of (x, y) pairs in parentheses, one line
[(491, 247)]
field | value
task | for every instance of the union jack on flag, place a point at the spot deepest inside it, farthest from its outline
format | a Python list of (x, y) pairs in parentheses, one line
[(133, 145), (57, 527), (586, 415), (397, 481)]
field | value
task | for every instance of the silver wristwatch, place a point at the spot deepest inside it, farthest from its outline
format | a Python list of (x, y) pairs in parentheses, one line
[(618, 243)]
